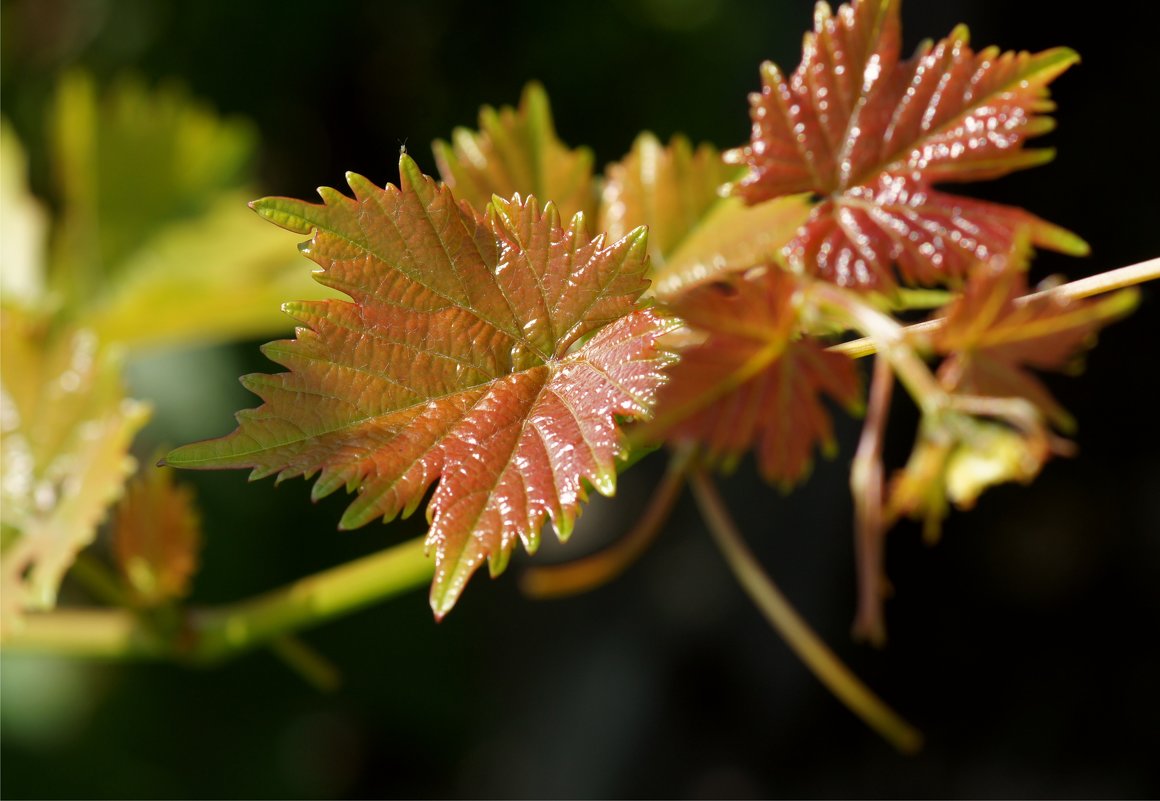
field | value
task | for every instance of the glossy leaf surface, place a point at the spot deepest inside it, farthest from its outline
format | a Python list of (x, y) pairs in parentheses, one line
[(753, 382), (516, 150), (459, 360), (870, 134)]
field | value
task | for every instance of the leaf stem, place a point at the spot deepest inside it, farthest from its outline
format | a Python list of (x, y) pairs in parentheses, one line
[(1075, 290), (212, 634), (590, 572), (867, 485), (789, 624)]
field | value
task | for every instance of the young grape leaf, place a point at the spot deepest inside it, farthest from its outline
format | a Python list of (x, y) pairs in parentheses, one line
[(517, 151), (870, 134), (992, 331), (669, 189), (65, 432), (462, 359), (955, 458), (694, 233), (752, 382)]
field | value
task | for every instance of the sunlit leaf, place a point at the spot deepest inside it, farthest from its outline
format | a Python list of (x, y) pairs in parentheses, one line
[(517, 150), (753, 383), (66, 427), (695, 234), (461, 360), (156, 534), (870, 134), (668, 188)]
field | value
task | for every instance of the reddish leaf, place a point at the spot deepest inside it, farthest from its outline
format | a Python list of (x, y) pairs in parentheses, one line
[(750, 383), (156, 534), (990, 335), (870, 134), (458, 361)]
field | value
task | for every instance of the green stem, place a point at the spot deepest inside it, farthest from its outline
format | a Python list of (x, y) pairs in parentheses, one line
[(212, 634), (794, 630)]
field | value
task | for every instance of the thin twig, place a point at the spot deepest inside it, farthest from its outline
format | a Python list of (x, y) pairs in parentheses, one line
[(817, 656)]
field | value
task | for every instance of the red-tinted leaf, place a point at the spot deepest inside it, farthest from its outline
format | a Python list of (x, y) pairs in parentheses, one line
[(458, 362), (871, 134), (751, 383), (156, 535), (990, 336)]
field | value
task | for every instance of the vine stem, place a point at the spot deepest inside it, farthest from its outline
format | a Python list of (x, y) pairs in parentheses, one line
[(808, 646), (1109, 281), (212, 634)]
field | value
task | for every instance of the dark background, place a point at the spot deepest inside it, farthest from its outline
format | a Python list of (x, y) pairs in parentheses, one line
[(1024, 644)]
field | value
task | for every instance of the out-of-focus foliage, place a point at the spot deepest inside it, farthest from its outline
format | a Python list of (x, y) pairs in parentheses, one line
[(66, 428), (156, 535), (153, 245)]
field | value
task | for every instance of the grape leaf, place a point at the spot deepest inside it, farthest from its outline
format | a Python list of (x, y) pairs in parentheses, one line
[(462, 359), (989, 336), (156, 534), (870, 134), (517, 150), (955, 458), (669, 189), (752, 382), (65, 429), (695, 234)]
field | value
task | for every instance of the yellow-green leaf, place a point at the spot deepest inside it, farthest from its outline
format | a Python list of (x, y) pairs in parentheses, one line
[(65, 430), (517, 150)]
